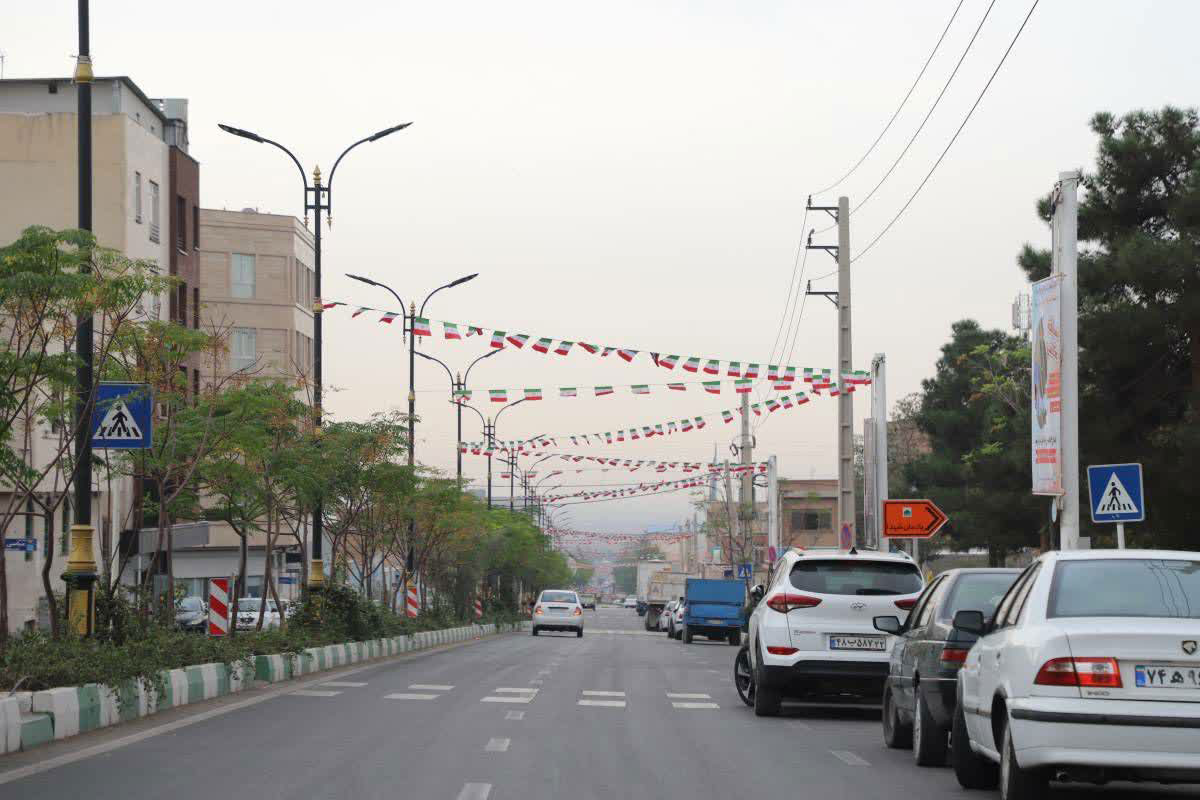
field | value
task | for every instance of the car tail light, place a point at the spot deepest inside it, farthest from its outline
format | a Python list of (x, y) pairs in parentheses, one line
[(906, 604), (783, 603), (578, 612), (1093, 672), (537, 610), (953, 656), (781, 651)]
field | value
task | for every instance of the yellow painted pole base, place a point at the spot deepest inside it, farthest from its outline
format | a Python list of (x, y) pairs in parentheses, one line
[(316, 574)]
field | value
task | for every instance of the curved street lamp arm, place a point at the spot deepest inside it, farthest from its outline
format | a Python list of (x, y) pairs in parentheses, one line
[(501, 411), (371, 282), (473, 408), (332, 172), (438, 360), (488, 354), (296, 161)]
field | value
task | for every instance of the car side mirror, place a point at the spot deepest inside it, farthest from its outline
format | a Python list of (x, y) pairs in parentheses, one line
[(757, 592), (970, 622), (888, 624)]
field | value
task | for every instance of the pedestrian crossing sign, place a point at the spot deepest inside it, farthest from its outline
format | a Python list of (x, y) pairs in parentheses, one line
[(122, 417), (1116, 495)]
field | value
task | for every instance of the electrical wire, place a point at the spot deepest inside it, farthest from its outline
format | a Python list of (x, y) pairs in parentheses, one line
[(792, 287), (895, 114), (954, 138)]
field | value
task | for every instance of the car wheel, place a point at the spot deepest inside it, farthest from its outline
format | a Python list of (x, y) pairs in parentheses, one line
[(735, 638), (767, 699), (579, 633), (743, 678), (687, 635), (972, 770), (928, 738), (535, 630), (896, 734), (1017, 783)]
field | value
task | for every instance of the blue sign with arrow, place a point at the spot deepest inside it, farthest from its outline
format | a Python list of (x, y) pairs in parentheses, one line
[(123, 417), (1116, 495)]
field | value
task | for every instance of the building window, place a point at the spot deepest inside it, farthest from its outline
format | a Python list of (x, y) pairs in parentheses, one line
[(243, 348), (181, 223), (811, 520), (137, 197), (196, 227), (241, 281), (196, 308), (196, 384), (183, 302), (155, 220)]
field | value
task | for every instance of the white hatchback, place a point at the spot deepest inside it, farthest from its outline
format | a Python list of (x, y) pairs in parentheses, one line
[(1089, 671), (812, 633)]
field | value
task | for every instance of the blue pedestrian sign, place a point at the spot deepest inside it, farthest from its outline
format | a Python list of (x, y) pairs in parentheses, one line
[(123, 416), (1116, 495), (745, 571), (21, 545)]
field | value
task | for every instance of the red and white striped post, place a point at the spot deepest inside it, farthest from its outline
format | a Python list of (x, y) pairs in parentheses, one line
[(478, 608), (218, 607), (412, 607)]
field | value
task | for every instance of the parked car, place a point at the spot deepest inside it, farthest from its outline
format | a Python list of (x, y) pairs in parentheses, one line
[(588, 601), (664, 619), (630, 602), (812, 633), (558, 610), (1090, 671), (675, 626), (918, 697), (248, 608), (191, 614)]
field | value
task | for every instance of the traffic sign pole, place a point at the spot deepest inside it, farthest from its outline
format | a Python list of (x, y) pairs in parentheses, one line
[(1120, 535)]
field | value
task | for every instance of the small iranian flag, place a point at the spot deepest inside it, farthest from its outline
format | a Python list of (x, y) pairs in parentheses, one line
[(498, 395), (388, 316), (756, 408), (834, 391), (533, 394), (640, 388), (700, 422), (633, 434), (677, 387), (420, 327), (607, 352), (603, 390), (743, 385), (451, 330), (786, 400), (727, 416), (658, 428), (563, 348), (621, 435), (567, 391), (735, 369), (462, 394), (498, 340), (692, 364), (772, 372), (542, 345), (781, 386), (685, 425), (647, 431), (324, 305), (591, 348), (808, 374), (668, 362), (790, 374), (712, 387), (573, 441), (801, 398), (751, 371), (713, 367), (627, 354), (518, 339), (772, 405), (671, 427), (360, 310), (474, 330)]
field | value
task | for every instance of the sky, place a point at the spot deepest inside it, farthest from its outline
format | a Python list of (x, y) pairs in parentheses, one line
[(636, 174)]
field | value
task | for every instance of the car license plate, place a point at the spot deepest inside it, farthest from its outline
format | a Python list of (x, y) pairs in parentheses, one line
[(716, 622), (857, 643), (1166, 676)]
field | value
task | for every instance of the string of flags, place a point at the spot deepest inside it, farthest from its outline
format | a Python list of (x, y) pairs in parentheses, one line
[(572, 537), (640, 489), (632, 465)]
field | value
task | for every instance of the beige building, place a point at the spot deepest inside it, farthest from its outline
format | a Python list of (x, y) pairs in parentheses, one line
[(257, 281), (807, 512)]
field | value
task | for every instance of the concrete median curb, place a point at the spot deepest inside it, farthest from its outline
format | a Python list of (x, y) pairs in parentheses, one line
[(32, 719)]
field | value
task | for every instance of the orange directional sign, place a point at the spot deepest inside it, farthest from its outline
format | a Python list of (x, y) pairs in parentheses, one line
[(911, 519)]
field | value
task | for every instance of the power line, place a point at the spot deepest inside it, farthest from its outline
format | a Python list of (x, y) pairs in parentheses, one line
[(879, 138), (791, 285), (954, 138)]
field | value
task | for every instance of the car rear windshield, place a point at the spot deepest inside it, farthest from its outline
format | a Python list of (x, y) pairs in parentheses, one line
[(856, 577), (1126, 587), (558, 597), (980, 592)]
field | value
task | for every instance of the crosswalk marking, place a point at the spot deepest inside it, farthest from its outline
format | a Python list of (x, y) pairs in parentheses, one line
[(850, 759), (689, 696), (475, 791), (607, 703), (591, 693), (695, 705), (507, 699), (410, 696), (496, 745), (314, 693), (515, 715), (515, 690), (430, 687), (347, 684)]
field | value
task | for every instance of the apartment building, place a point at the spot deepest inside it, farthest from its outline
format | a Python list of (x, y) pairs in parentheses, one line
[(808, 509)]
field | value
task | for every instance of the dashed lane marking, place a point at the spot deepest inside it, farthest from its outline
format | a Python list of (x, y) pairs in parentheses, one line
[(515, 690), (689, 696), (536, 682), (591, 693), (496, 745), (695, 705), (346, 684), (605, 703), (475, 791), (507, 699), (515, 715), (846, 757), (410, 696), (430, 687), (314, 693)]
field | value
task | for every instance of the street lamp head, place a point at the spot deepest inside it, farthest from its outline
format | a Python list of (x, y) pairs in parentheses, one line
[(388, 131), (254, 137), (464, 279), (361, 278)]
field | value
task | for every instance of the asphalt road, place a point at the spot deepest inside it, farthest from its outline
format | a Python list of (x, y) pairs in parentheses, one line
[(508, 718)]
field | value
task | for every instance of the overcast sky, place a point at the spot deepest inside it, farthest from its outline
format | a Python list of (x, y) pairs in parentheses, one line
[(635, 174)]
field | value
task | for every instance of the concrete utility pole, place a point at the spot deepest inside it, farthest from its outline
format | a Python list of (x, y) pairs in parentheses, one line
[(772, 509), (731, 512), (746, 508), (1065, 258), (879, 414), (846, 509)]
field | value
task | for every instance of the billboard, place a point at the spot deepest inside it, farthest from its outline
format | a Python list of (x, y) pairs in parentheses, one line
[(1046, 390)]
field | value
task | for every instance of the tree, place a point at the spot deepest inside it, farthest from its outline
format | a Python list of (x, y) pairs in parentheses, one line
[(625, 578), (1139, 310)]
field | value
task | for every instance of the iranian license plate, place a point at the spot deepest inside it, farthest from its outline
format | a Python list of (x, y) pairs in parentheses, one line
[(857, 643), (1166, 676), (716, 622)]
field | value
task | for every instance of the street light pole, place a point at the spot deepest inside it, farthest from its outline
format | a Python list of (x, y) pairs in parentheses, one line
[(317, 198), (458, 384)]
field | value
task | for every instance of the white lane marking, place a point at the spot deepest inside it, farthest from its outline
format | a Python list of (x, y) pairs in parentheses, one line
[(543, 672), (410, 696), (849, 758), (430, 687), (591, 693), (496, 745), (475, 791), (689, 696), (695, 705), (314, 693), (802, 726), (517, 690), (508, 698), (606, 703), (515, 715), (346, 684), (536, 682), (718, 671)]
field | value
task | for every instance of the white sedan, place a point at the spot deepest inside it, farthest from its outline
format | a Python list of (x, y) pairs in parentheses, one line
[(1089, 671), (248, 608)]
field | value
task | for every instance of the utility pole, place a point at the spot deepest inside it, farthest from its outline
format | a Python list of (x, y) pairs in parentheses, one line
[(746, 496), (731, 512), (879, 414), (773, 544), (1065, 261)]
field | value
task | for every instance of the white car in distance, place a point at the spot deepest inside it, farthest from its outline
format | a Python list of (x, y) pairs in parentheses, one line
[(247, 617), (1090, 671), (557, 610)]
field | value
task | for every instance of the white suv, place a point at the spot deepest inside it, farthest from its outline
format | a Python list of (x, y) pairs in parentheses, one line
[(1090, 670), (812, 631)]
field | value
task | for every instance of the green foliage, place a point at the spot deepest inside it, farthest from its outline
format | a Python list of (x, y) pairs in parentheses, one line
[(625, 579)]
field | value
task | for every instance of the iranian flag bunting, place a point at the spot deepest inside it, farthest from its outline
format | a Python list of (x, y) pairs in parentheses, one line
[(756, 408), (608, 436), (647, 431), (498, 340), (789, 375), (388, 316), (518, 339), (627, 354), (801, 398), (808, 374), (781, 386), (603, 390), (607, 352), (772, 405), (498, 395), (751, 371), (591, 348), (700, 422), (360, 310), (563, 348), (743, 385), (668, 362), (692, 365), (677, 387), (567, 391), (713, 367), (420, 327), (772, 372), (328, 305), (542, 345), (621, 435), (633, 434), (670, 428), (462, 394), (685, 425), (727, 416), (640, 388), (786, 400), (533, 394), (451, 330), (474, 330), (658, 428), (735, 369), (712, 387)]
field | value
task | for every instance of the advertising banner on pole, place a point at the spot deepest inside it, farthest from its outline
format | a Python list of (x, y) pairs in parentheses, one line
[(1046, 391)]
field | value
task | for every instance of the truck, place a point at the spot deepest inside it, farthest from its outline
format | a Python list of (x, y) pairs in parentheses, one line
[(713, 608), (646, 569), (664, 587)]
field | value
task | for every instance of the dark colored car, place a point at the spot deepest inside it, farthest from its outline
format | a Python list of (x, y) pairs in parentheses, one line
[(191, 615), (919, 693)]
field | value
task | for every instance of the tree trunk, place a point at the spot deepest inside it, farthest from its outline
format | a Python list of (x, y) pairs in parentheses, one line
[(47, 564), (171, 566), (262, 600), (3, 600)]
